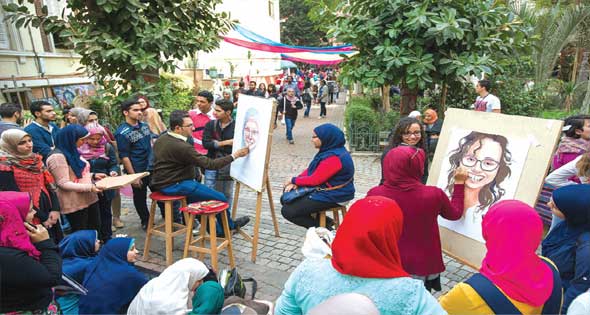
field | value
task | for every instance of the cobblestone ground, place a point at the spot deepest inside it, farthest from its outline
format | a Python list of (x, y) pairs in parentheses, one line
[(278, 256)]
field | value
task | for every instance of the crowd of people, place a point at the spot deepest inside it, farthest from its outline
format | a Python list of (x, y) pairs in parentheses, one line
[(57, 224)]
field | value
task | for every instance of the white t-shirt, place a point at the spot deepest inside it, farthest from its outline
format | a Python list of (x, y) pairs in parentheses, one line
[(581, 305), (487, 103)]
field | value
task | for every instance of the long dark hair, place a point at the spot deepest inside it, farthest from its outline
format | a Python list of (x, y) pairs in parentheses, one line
[(403, 125), (575, 123), (491, 192)]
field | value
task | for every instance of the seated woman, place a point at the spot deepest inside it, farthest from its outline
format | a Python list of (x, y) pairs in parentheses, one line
[(75, 187), (512, 278), (23, 170), (170, 292), (112, 281), (365, 259), (575, 141), (78, 251), (568, 243), (419, 244), (408, 132), (29, 260), (102, 158), (331, 169)]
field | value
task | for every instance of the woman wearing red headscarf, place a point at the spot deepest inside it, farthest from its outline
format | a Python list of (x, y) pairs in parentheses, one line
[(365, 260), (419, 244), (29, 261), (521, 281)]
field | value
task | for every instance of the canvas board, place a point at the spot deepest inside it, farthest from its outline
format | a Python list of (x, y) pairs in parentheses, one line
[(531, 142), (116, 182), (253, 123)]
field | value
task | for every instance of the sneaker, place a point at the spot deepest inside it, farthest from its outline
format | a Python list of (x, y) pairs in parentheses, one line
[(320, 117), (144, 226), (118, 223), (240, 222), (291, 142)]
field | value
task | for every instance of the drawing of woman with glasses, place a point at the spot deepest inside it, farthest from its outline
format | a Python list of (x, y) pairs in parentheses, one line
[(487, 160)]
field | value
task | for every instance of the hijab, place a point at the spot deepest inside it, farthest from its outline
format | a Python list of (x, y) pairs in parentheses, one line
[(89, 152), (433, 116), (78, 252), (574, 202), (333, 141), (14, 207), (169, 292), (9, 142), (293, 98), (66, 144), (366, 243), (403, 168), (415, 114), (513, 231), (82, 114), (111, 280)]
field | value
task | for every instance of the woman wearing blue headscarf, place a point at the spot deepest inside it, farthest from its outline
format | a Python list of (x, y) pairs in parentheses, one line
[(331, 171), (75, 184), (112, 281), (78, 251)]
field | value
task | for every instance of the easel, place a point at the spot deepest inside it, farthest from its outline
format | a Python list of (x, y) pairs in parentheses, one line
[(266, 185)]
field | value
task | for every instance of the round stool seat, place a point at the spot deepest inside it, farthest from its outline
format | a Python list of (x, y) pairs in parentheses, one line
[(158, 196), (205, 207)]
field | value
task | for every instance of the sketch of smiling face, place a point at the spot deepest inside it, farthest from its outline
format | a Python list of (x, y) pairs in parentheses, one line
[(482, 161), (251, 132)]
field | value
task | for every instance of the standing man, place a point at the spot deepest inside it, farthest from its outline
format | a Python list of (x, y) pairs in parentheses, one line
[(486, 102), (218, 139), (134, 143), (253, 90), (12, 116), (175, 162), (43, 131), (323, 98), (201, 115)]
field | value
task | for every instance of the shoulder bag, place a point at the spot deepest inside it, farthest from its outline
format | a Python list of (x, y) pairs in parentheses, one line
[(300, 192)]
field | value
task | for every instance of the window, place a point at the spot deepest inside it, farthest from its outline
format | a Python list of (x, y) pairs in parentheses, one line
[(271, 8), (4, 30)]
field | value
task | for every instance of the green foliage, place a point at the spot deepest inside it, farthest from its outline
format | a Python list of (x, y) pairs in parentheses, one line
[(297, 28), (174, 93), (555, 114), (419, 43), (365, 111), (128, 39)]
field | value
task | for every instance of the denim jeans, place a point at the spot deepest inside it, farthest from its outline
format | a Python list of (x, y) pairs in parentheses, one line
[(323, 109), (195, 191), (289, 123), (307, 109)]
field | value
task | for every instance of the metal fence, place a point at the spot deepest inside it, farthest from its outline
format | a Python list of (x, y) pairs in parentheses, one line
[(365, 137)]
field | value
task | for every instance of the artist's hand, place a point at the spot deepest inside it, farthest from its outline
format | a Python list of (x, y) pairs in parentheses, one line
[(461, 175), (241, 152), (38, 233)]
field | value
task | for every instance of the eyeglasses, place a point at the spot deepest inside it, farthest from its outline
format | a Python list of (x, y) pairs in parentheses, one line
[(409, 134), (191, 125), (313, 137), (486, 164)]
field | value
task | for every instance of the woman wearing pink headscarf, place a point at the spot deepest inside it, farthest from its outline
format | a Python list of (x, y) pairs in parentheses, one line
[(29, 261), (512, 278)]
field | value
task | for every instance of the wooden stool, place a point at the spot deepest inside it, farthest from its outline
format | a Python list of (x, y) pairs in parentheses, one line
[(335, 213), (168, 232), (208, 216)]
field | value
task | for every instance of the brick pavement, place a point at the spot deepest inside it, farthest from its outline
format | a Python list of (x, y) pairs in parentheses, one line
[(277, 257)]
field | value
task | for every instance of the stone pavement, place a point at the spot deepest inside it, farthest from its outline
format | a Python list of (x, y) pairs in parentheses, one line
[(278, 257)]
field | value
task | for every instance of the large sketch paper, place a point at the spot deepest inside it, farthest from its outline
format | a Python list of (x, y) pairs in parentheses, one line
[(503, 186), (116, 182), (540, 136), (253, 121)]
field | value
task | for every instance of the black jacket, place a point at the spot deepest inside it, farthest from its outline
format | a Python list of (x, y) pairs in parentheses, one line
[(25, 283), (214, 133), (285, 107)]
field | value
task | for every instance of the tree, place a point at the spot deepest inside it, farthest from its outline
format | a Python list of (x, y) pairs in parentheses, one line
[(419, 43), (127, 40), (297, 28)]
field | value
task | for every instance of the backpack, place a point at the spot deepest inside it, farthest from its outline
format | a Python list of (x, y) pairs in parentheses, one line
[(233, 283), (560, 246)]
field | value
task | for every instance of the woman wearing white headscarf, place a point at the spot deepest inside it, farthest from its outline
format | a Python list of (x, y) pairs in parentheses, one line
[(169, 293)]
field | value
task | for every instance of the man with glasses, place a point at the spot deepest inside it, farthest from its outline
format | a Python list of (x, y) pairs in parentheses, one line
[(134, 143), (175, 161)]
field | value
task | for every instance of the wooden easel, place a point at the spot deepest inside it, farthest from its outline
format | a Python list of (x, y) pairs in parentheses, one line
[(266, 185)]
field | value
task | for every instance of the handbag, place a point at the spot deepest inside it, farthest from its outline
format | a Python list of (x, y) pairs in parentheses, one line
[(233, 283), (300, 192)]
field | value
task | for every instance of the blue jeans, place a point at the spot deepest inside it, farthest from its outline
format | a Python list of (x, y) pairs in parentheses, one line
[(289, 123), (195, 191), (307, 109), (226, 187)]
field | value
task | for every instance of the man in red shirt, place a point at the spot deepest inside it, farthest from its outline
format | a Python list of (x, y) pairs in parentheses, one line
[(201, 115)]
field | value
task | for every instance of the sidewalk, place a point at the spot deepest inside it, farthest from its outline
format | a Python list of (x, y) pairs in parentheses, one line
[(278, 257)]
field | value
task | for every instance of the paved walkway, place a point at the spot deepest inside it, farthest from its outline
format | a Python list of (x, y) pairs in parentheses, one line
[(278, 257)]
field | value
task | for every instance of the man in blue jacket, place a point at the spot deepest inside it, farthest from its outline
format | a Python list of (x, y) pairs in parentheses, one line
[(42, 129)]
